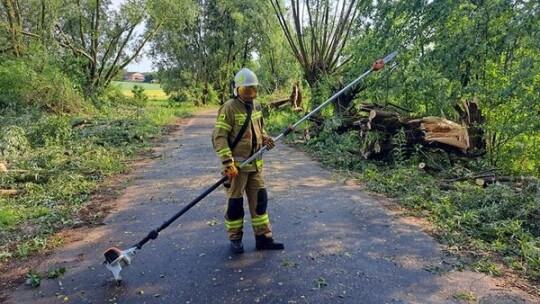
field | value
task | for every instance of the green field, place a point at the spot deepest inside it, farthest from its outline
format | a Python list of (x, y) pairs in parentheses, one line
[(152, 90)]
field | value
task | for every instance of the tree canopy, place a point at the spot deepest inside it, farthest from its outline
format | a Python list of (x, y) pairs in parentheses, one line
[(448, 51)]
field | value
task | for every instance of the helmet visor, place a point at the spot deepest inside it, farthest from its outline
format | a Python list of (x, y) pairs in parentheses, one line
[(248, 92)]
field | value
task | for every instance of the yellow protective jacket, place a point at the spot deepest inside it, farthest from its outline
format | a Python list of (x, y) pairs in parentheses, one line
[(231, 117)]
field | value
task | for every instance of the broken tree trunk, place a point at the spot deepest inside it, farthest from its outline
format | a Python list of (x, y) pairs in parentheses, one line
[(428, 131), (294, 100), (444, 131), (472, 118)]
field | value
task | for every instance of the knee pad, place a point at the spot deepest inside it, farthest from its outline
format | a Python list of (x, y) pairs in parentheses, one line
[(235, 208), (262, 201)]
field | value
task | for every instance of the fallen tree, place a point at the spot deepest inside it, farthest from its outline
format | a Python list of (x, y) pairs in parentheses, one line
[(379, 125), (294, 100), (430, 131)]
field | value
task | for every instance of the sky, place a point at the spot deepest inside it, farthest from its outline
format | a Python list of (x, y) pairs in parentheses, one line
[(143, 64)]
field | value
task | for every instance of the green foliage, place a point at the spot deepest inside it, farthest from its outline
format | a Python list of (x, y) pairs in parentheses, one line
[(128, 86), (50, 130), (201, 56), (8, 217), (338, 150), (27, 84), (466, 296), (112, 96), (56, 272), (452, 50), (57, 167), (398, 141), (487, 266), (140, 99), (320, 283), (372, 142), (149, 77), (277, 120), (13, 141), (33, 278), (494, 219), (199, 95)]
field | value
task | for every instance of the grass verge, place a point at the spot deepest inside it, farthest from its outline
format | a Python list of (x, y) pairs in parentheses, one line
[(498, 225), (55, 162)]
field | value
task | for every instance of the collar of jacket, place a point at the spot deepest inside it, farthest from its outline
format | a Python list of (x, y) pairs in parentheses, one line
[(243, 101)]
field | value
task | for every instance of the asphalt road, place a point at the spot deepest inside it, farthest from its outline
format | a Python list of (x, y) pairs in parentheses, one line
[(341, 245)]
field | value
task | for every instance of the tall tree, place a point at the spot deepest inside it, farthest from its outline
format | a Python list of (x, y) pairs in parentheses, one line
[(202, 58), (105, 40), (454, 50), (278, 68), (317, 32), (94, 39), (24, 22)]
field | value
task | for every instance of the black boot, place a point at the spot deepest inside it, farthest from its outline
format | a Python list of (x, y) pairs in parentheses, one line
[(237, 246), (267, 243)]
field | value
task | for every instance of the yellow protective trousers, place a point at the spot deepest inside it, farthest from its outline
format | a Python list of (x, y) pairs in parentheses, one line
[(252, 184)]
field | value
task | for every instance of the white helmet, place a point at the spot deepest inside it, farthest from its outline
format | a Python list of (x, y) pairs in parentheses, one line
[(245, 77)]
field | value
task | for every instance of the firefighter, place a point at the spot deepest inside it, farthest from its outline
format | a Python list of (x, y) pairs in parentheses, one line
[(238, 134)]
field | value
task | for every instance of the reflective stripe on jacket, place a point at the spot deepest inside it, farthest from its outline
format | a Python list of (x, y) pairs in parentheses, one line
[(231, 117)]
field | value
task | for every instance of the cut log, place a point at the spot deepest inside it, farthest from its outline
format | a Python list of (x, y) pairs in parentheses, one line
[(429, 168), (8, 192), (384, 121), (485, 181), (376, 114), (278, 103), (389, 119), (444, 131), (80, 123)]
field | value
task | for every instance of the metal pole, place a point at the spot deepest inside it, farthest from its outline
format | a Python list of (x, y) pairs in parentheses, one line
[(322, 105), (154, 233)]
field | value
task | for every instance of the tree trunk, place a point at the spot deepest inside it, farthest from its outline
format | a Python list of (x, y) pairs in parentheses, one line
[(15, 27), (427, 131), (296, 97), (472, 118)]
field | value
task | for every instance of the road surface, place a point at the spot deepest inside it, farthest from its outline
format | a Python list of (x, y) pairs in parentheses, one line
[(341, 245)]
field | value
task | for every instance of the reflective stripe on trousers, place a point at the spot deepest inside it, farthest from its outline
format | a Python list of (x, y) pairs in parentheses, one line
[(250, 183)]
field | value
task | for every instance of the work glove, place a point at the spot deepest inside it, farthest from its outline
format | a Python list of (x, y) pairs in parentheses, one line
[(230, 170), (269, 143)]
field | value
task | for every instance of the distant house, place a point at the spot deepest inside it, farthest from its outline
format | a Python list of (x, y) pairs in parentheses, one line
[(133, 76)]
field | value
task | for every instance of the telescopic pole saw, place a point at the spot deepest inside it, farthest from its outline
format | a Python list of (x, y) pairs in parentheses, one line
[(117, 259)]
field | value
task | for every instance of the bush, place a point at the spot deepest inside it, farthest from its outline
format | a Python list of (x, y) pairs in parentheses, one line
[(13, 141), (112, 96), (24, 84), (199, 94)]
